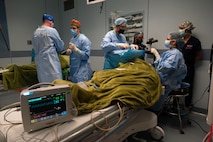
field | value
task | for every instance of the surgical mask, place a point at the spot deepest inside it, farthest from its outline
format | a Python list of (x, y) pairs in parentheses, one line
[(182, 32), (138, 41), (167, 43), (73, 32), (121, 31)]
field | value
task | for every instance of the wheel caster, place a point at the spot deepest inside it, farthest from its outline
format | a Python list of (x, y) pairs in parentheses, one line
[(157, 133)]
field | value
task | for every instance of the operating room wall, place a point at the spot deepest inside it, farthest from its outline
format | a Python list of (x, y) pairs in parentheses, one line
[(160, 17), (23, 17)]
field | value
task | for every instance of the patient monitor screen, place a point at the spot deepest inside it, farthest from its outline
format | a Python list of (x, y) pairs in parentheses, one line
[(47, 107)]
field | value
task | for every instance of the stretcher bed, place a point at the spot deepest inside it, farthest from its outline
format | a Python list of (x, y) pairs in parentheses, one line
[(88, 127), (111, 108)]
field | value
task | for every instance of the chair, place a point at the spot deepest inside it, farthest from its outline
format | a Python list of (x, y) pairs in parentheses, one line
[(175, 103)]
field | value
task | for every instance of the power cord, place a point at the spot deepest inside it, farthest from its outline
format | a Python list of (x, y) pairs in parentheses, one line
[(206, 90), (106, 121), (198, 125), (13, 105)]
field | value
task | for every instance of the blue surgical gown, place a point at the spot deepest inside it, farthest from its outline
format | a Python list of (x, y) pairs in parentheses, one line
[(172, 70), (80, 68), (114, 54), (47, 44)]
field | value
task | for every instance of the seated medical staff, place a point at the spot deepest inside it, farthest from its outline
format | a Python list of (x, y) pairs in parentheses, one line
[(115, 47), (170, 67)]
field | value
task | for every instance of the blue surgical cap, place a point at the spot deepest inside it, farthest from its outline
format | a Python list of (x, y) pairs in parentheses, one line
[(48, 17), (120, 21)]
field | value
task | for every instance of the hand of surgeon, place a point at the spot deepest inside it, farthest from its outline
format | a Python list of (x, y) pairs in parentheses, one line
[(123, 45), (74, 48), (134, 46), (155, 52), (68, 51)]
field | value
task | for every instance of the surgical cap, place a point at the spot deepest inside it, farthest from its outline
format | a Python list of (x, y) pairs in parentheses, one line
[(186, 25), (120, 21), (75, 23), (48, 17), (179, 39)]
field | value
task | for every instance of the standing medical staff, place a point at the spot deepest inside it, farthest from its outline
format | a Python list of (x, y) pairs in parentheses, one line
[(192, 52), (46, 45), (170, 66), (79, 50), (138, 40), (116, 48)]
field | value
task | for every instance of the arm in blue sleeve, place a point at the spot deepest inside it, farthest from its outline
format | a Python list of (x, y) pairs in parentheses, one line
[(167, 65), (59, 43), (109, 41), (85, 49), (107, 45)]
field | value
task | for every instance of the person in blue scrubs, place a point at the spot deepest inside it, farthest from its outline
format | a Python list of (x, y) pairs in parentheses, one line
[(170, 66), (47, 44), (115, 46), (79, 50)]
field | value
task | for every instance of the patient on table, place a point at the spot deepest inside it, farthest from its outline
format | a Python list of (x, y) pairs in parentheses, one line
[(134, 84)]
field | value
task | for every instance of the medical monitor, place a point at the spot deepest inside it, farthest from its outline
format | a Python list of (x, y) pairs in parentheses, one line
[(46, 106)]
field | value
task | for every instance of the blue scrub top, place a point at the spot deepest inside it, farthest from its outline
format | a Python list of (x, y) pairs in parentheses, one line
[(80, 68)]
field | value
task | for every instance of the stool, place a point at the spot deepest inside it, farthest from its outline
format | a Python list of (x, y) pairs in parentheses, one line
[(177, 96)]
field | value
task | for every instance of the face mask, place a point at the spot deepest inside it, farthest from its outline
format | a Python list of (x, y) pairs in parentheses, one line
[(73, 32), (139, 41), (182, 32), (167, 43), (121, 31)]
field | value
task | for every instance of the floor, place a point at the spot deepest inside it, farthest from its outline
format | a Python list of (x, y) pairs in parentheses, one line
[(194, 132)]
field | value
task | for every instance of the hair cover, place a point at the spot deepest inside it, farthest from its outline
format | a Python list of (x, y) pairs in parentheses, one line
[(48, 17), (137, 33), (75, 23), (179, 39), (186, 25), (120, 21)]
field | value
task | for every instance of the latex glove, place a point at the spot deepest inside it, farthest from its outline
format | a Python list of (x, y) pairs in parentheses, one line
[(122, 45), (155, 52), (68, 51), (74, 48), (134, 46)]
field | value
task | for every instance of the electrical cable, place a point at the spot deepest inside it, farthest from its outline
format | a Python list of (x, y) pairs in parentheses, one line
[(13, 105), (201, 96), (28, 139), (55, 134), (198, 125), (110, 128), (9, 111)]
